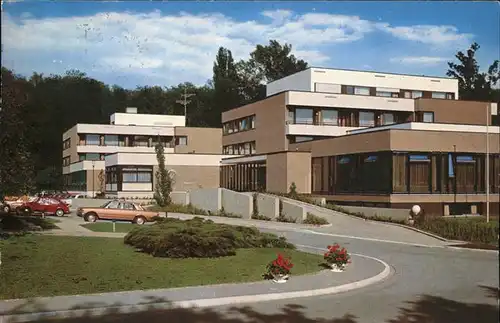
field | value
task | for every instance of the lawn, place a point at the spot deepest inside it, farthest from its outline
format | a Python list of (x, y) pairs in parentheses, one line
[(48, 265), (108, 226)]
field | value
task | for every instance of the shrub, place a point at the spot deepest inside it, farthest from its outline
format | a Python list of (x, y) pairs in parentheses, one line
[(25, 223), (179, 208), (255, 205), (224, 213), (261, 217), (199, 238), (465, 229), (314, 219), (292, 191)]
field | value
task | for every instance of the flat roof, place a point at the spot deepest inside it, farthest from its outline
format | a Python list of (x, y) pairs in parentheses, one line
[(427, 126)]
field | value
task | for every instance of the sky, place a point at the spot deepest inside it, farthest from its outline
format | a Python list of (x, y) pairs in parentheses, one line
[(147, 43)]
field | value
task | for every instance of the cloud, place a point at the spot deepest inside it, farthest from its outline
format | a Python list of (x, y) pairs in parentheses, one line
[(429, 34), (180, 47), (418, 60)]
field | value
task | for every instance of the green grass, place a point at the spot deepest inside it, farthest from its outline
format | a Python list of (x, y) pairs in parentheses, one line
[(49, 265), (108, 227)]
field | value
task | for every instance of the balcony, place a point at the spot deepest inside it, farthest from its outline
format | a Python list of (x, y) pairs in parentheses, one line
[(118, 149), (318, 130), (312, 99)]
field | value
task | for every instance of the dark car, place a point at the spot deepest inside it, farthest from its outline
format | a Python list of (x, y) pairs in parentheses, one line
[(45, 205)]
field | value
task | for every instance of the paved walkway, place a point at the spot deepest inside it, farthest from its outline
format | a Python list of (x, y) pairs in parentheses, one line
[(362, 272)]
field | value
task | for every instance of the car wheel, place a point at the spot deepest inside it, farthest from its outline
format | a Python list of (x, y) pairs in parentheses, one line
[(91, 217), (59, 212), (140, 220), (6, 209)]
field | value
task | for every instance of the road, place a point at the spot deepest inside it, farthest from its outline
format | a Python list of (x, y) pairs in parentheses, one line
[(429, 285)]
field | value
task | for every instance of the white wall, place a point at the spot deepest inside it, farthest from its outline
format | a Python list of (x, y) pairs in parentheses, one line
[(361, 78), (170, 159), (300, 81), (313, 130), (433, 127), (137, 187), (118, 149), (108, 129), (84, 165), (349, 101), (148, 119)]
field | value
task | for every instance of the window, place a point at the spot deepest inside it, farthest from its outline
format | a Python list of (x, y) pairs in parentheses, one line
[(136, 175), (252, 147), (92, 156), (181, 141), (384, 94), (140, 141), (362, 90), (366, 119), (246, 123), (387, 92), (252, 122), (246, 148), (407, 95), (243, 125), (387, 118), (127, 206), (92, 140), (111, 140), (438, 95), (465, 159), (304, 116), (419, 158), (428, 117), (344, 160), (416, 94), (450, 96), (349, 89), (370, 159), (291, 116), (113, 205), (330, 117)]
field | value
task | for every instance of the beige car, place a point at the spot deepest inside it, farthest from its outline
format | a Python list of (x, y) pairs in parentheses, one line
[(117, 210)]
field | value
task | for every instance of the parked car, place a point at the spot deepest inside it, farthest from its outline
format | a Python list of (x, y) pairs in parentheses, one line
[(12, 203), (44, 205), (117, 210)]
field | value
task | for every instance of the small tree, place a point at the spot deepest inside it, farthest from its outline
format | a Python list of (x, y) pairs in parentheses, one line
[(163, 186), (255, 205), (293, 191)]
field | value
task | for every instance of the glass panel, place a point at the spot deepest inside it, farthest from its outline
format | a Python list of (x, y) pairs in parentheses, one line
[(387, 118), (416, 94), (407, 95), (129, 177), (302, 138), (366, 119), (438, 95), (291, 116), (304, 116), (113, 205), (247, 148), (92, 156), (252, 121), (330, 117), (144, 177), (419, 158), (428, 117), (349, 89), (81, 157), (92, 140), (252, 147), (384, 94), (111, 140), (362, 90), (465, 159)]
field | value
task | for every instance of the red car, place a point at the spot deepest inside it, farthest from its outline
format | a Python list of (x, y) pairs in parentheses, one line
[(45, 205)]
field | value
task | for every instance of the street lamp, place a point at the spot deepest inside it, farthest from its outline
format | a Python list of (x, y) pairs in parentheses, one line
[(93, 178), (487, 172)]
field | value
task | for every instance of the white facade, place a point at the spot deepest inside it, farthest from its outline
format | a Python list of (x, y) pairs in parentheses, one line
[(170, 159), (447, 127), (317, 130), (135, 119), (84, 165), (329, 80), (119, 149), (108, 129), (315, 99)]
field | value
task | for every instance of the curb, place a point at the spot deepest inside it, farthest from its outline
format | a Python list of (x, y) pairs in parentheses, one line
[(210, 302)]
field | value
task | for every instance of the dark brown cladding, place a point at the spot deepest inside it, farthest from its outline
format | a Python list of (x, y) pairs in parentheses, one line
[(401, 140), (456, 111)]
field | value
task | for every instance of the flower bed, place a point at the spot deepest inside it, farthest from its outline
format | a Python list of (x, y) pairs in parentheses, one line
[(337, 258), (280, 268)]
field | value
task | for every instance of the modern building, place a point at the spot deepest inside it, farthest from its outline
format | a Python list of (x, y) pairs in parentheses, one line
[(119, 158), (367, 139)]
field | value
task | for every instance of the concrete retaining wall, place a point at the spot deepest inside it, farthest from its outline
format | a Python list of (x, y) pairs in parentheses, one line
[(293, 211), (395, 214), (237, 203), (268, 205), (180, 198), (209, 199)]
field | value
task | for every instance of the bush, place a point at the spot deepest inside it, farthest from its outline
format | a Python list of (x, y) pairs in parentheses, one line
[(199, 238), (25, 223), (179, 208), (261, 217), (222, 212), (314, 219), (465, 229)]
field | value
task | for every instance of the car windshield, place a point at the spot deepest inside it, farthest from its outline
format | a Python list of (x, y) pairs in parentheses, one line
[(106, 204)]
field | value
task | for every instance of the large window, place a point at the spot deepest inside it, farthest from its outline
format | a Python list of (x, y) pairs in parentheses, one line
[(137, 175), (428, 117), (304, 116), (330, 117), (140, 141), (416, 94), (438, 95), (366, 119), (181, 141), (92, 140), (111, 140), (361, 90), (242, 124), (419, 167), (244, 148), (387, 118)]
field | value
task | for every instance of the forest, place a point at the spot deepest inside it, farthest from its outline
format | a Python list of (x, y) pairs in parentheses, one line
[(35, 110)]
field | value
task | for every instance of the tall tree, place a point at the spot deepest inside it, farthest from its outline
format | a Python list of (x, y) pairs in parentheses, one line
[(16, 166), (225, 82), (275, 61), (474, 85)]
